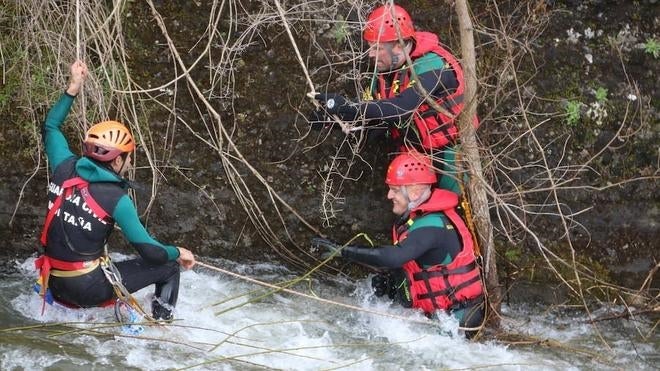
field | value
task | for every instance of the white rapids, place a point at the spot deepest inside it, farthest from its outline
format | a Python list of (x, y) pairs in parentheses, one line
[(284, 331)]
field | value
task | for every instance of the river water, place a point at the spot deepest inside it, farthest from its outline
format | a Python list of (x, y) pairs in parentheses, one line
[(285, 331)]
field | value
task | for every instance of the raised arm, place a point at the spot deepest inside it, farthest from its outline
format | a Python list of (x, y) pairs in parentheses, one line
[(56, 145)]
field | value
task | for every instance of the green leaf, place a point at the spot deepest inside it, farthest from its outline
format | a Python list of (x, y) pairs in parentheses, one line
[(573, 114), (652, 46), (601, 94)]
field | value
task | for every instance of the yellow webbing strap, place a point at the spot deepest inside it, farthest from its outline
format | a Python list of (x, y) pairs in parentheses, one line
[(79, 272), (465, 204)]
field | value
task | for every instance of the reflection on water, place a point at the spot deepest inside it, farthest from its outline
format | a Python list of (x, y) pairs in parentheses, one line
[(290, 332)]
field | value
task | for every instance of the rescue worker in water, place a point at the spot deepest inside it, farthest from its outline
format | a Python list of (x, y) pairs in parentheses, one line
[(431, 263), (87, 197)]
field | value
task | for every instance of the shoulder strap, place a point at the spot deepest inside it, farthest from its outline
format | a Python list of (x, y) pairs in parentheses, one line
[(91, 202), (463, 231), (434, 219), (67, 189)]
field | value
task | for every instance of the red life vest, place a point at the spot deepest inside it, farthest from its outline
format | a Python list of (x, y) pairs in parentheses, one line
[(435, 129), (442, 286)]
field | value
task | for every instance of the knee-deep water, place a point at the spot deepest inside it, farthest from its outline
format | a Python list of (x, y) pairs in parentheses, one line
[(218, 328)]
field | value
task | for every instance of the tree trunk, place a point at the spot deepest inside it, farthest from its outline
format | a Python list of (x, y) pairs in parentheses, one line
[(470, 149)]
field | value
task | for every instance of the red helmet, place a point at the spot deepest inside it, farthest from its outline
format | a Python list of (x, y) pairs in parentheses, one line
[(107, 140), (381, 26), (410, 168)]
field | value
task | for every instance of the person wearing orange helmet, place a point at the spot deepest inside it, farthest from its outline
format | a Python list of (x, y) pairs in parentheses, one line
[(87, 197), (431, 264), (394, 98)]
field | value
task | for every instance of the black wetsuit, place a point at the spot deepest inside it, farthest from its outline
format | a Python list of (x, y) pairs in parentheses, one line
[(431, 240), (397, 110), (76, 234)]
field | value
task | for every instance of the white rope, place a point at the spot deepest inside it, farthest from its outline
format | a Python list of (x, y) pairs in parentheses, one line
[(79, 57), (77, 29), (326, 301), (316, 298)]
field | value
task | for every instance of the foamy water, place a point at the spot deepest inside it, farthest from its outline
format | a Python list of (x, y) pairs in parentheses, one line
[(285, 331)]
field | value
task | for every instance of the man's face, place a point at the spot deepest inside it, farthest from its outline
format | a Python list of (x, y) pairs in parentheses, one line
[(399, 198), (383, 54)]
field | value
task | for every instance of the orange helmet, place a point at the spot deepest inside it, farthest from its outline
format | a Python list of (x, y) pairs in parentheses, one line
[(107, 140), (410, 168), (383, 21)]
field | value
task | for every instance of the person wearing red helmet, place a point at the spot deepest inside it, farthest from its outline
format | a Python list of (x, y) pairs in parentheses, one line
[(87, 196), (394, 98), (431, 264)]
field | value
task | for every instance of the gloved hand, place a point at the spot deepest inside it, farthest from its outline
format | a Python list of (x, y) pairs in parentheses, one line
[(400, 288), (381, 283), (336, 104), (326, 247)]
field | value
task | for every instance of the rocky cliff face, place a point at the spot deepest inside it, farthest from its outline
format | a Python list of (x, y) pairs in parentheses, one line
[(568, 89)]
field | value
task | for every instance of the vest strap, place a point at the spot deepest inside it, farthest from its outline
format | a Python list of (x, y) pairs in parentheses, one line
[(77, 272), (67, 189), (442, 272), (448, 291)]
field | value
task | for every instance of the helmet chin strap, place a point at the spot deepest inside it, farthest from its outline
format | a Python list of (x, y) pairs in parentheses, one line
[(404, 192), (420, 200), (394, 57), (123, 163)]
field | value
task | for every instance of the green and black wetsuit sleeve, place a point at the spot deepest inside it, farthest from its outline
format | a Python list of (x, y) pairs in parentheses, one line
[(427, 245), (56, 145), (126, 217), (438, 83)]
